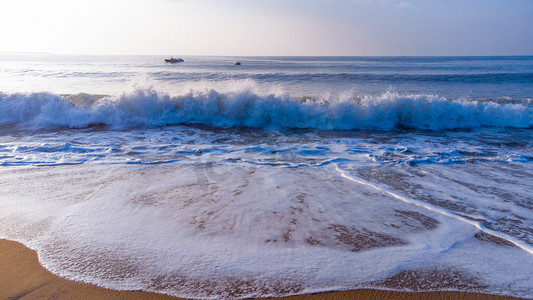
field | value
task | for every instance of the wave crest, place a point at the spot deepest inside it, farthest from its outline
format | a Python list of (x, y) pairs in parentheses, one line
[(147, 107)]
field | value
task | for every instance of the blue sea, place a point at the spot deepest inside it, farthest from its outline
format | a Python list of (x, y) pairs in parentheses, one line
[(279, 176)]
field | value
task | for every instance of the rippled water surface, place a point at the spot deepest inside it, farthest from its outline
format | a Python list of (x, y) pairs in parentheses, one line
[(284, 175)]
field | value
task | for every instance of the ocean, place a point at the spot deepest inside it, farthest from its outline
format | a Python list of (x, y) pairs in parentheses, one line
[(284, 175)]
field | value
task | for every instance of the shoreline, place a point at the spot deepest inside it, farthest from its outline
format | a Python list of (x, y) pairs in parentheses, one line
[(23, 277)]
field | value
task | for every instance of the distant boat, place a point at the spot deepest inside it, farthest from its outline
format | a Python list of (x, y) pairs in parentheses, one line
[(173, 60), (237, 63)]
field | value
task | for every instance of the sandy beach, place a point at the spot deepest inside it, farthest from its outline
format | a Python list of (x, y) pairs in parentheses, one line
[(23, 277)]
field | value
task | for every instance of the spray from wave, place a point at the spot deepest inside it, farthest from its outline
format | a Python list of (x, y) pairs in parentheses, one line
[(147, 107)]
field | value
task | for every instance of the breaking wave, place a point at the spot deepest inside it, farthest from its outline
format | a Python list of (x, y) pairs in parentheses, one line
[(147, 107)]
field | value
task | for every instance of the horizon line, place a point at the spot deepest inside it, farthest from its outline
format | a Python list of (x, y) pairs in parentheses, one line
[(226, 55)]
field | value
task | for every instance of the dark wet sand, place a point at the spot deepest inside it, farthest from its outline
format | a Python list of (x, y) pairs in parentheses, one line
[(23, 277)]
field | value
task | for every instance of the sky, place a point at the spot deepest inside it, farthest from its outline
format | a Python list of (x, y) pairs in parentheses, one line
[(268, 27)]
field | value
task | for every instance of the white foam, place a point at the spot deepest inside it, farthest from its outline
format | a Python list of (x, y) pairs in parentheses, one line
[(128, 226), (440, 210), (243, 107)]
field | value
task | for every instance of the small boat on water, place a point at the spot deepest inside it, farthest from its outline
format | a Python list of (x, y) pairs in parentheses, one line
[(173, 60), (237, 63)]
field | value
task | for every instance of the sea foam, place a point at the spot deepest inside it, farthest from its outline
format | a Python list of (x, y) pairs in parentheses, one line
[(301, 230), (150, 108)]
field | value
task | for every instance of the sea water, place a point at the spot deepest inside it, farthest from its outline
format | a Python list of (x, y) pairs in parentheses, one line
[(283, 175)]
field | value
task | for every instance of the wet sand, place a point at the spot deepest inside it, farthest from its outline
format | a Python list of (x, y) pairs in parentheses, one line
[(23, 277)]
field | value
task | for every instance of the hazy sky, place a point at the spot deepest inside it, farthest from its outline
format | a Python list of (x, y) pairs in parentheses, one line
[(268, 27)]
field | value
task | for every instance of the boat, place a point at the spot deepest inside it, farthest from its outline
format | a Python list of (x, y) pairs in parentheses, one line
[(173, 60), (237, 63)]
